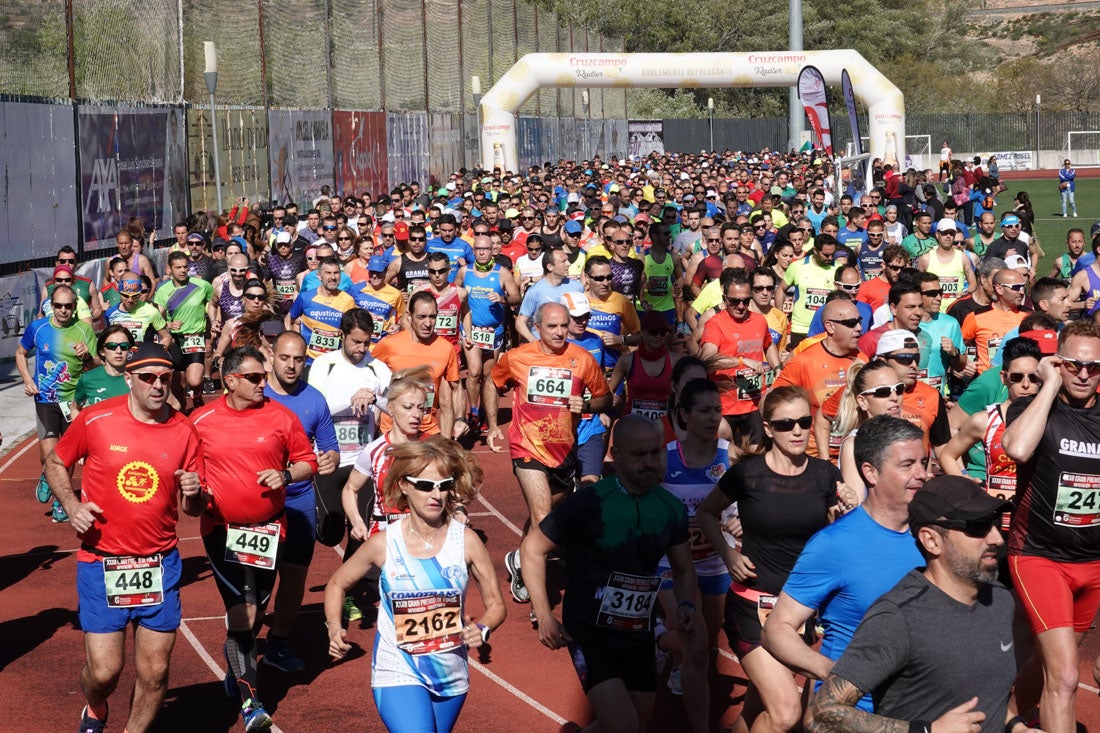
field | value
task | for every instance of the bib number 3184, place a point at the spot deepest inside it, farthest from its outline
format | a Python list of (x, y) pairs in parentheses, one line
[(627, 602), (255, 545), (133, 581)]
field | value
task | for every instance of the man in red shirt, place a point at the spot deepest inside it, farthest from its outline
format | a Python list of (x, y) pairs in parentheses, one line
[(254, 448), (142, 459), (738, 333)]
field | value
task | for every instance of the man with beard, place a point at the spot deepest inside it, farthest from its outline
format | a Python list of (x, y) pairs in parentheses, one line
[(936, 649)]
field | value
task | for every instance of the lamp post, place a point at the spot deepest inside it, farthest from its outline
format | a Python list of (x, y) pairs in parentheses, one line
[(1038, 101), (587, 116), (475, 87), (710, 116), (211, 76)]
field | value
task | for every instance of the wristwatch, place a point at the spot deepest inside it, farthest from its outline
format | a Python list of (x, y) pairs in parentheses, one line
[(485, 633), (287, 480)]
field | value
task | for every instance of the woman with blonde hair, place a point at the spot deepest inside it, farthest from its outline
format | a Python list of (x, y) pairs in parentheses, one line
[(871, 390), (419, 670)]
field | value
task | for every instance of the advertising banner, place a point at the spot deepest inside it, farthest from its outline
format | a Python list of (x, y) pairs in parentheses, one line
[(1015, 160), (18, 306), (133, 162), (37, 212), (242, 156), (407, 141), (446, 149), (360, 148), (811, 92), (302, 158), (646, 136)]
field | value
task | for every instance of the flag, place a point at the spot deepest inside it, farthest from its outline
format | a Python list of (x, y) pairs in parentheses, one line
[(811, 91)]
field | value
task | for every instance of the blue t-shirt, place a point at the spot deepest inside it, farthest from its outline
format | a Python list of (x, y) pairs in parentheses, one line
[(590, 425), (865, 315), (309, 405), (312, 281), (457, 248), (938, 362), (843, 569), (543, 292), (855, 239)]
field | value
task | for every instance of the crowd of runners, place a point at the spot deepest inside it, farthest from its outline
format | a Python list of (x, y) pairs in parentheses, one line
[(856, 432)]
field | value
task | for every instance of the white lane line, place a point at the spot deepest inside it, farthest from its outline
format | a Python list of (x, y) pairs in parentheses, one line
[(496, 513), (219, 673), (30, 444), (517, 692)]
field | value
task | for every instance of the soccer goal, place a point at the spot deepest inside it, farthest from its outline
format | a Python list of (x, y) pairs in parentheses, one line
[(918, 152), (1083, 148)]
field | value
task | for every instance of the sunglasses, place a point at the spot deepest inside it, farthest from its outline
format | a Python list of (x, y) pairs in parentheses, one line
[(1018, 287), (976, 528), (904, 359), (128, 296), (1077, 366), (759, 226), (786, 425), (255, 296), (578, 319), (763, 288), (253, 377), (876, 235), (150, 378), (427, 485), (1017, 377), (937, 293), (65, 281), (738, 301), (846, 322), (66, 261), (639, 236), (418, 239), (343, 239), (895, 268), (118, 346), (848, 287), (599, 278), (806, 230), (312, 259), (235, 271), (69, 304), (329, 229), (884, 391), (438, 271)]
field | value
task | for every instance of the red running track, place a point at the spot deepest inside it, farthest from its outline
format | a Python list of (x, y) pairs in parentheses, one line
[(518, 686)]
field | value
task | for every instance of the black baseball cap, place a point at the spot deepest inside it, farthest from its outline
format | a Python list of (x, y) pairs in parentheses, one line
[(952, 497)]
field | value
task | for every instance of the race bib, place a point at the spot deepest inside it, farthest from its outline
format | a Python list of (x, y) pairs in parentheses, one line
[(1078, 500), (427, 622), (255, 545), (951, 286), (658, 285), (192, 343), (429, 400), (66, 410), (446, 323), (815, 297), (287, 289), (765, 604), (352, 435), (993, 347), (323, 341), (701, 549), (483, 337), (627, 602), (749, 384), (136, 329), (655, 410), (937, 382), (549, 386), (379, 324), (1004, 488), (133, 581)]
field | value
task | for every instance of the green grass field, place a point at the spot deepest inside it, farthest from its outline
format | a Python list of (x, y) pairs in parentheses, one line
[(1049, 225)]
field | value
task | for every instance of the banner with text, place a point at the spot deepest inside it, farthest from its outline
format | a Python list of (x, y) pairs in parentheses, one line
[(242, 157), (133, 162), (18, 306), (811, 92), (359, 144), (1015, 160), (407, 142), (302, 158), (646, 136)]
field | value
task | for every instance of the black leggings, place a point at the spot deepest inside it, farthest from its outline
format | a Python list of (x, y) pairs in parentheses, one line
[(331, 520)]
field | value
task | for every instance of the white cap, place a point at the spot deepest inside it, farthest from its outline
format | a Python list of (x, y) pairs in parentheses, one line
[(576, 303), (1013, 262), (895, 340), (945, 224), (282, 238)]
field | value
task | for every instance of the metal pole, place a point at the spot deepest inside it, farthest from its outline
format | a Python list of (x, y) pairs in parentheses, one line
[(1038, 147), (795, 107), (710, 119), (211, 77), (475, 87)]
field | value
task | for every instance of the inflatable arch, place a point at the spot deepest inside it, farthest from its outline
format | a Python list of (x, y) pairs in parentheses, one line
[(499, 146)]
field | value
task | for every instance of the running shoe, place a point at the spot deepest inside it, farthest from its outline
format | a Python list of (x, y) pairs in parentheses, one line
[(208, 386), (89, 724), (42, 493), (57, 513), (351, 611), (674, 682), (283, 659), (255, 717), (515, 578)]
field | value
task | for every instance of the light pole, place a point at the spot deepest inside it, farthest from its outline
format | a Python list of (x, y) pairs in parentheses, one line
[(475, 87), (794, 105), (710, 116), (211, 76), (1038, 101), (584, 107)]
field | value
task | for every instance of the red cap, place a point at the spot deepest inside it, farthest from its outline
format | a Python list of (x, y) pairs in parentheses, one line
[(1046, 338), (401, 231)]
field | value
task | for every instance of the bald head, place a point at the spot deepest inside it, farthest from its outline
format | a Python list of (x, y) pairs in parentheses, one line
[(635, 429), (237, 261)]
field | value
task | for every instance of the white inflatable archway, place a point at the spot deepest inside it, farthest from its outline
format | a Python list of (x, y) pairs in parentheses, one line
[(499, 146)]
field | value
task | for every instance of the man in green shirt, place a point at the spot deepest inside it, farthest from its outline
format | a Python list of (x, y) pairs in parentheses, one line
[(813, 276), (920, 241), (137, 315), (184, 301)]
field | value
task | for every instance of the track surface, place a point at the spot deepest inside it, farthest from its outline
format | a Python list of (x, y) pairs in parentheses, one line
[(518, 686)]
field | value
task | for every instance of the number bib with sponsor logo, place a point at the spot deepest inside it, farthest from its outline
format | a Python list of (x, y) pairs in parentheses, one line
[(815, 298), (549, 386), (255, 545), (1002, 487), (287, 289), (655, 410), (324, 340), (765, 604), (192, 343), (133, 581), (352, 434), (952, 286), (701, 549), (483, 337), (1078, 500), (658, 285), (749, 384), (935, 382), (446, 324), (427, 621), (993, 347), (627, 602)]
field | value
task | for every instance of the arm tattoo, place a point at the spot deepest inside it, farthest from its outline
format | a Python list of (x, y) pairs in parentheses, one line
[(832, 710)]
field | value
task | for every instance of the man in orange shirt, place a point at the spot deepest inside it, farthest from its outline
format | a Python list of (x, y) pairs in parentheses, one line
[(875, 292), (551, 377), (737, 332), (822, 368), (420, 345), (984, 328)]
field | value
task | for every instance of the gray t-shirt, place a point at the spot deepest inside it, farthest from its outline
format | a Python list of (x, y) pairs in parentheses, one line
[(921, 653)]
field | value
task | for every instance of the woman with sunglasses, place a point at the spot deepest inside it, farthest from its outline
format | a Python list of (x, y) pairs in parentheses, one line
[(778, 259), (105, 381), (870, 390), (694, 465), (784, 496), (244, 330), (419, 672), (647, 372), (312, 262)]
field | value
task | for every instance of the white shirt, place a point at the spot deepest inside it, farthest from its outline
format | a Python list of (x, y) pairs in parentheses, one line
[(338, 380)]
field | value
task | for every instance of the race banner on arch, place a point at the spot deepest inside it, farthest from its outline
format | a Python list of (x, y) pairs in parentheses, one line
[(811, 92)]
